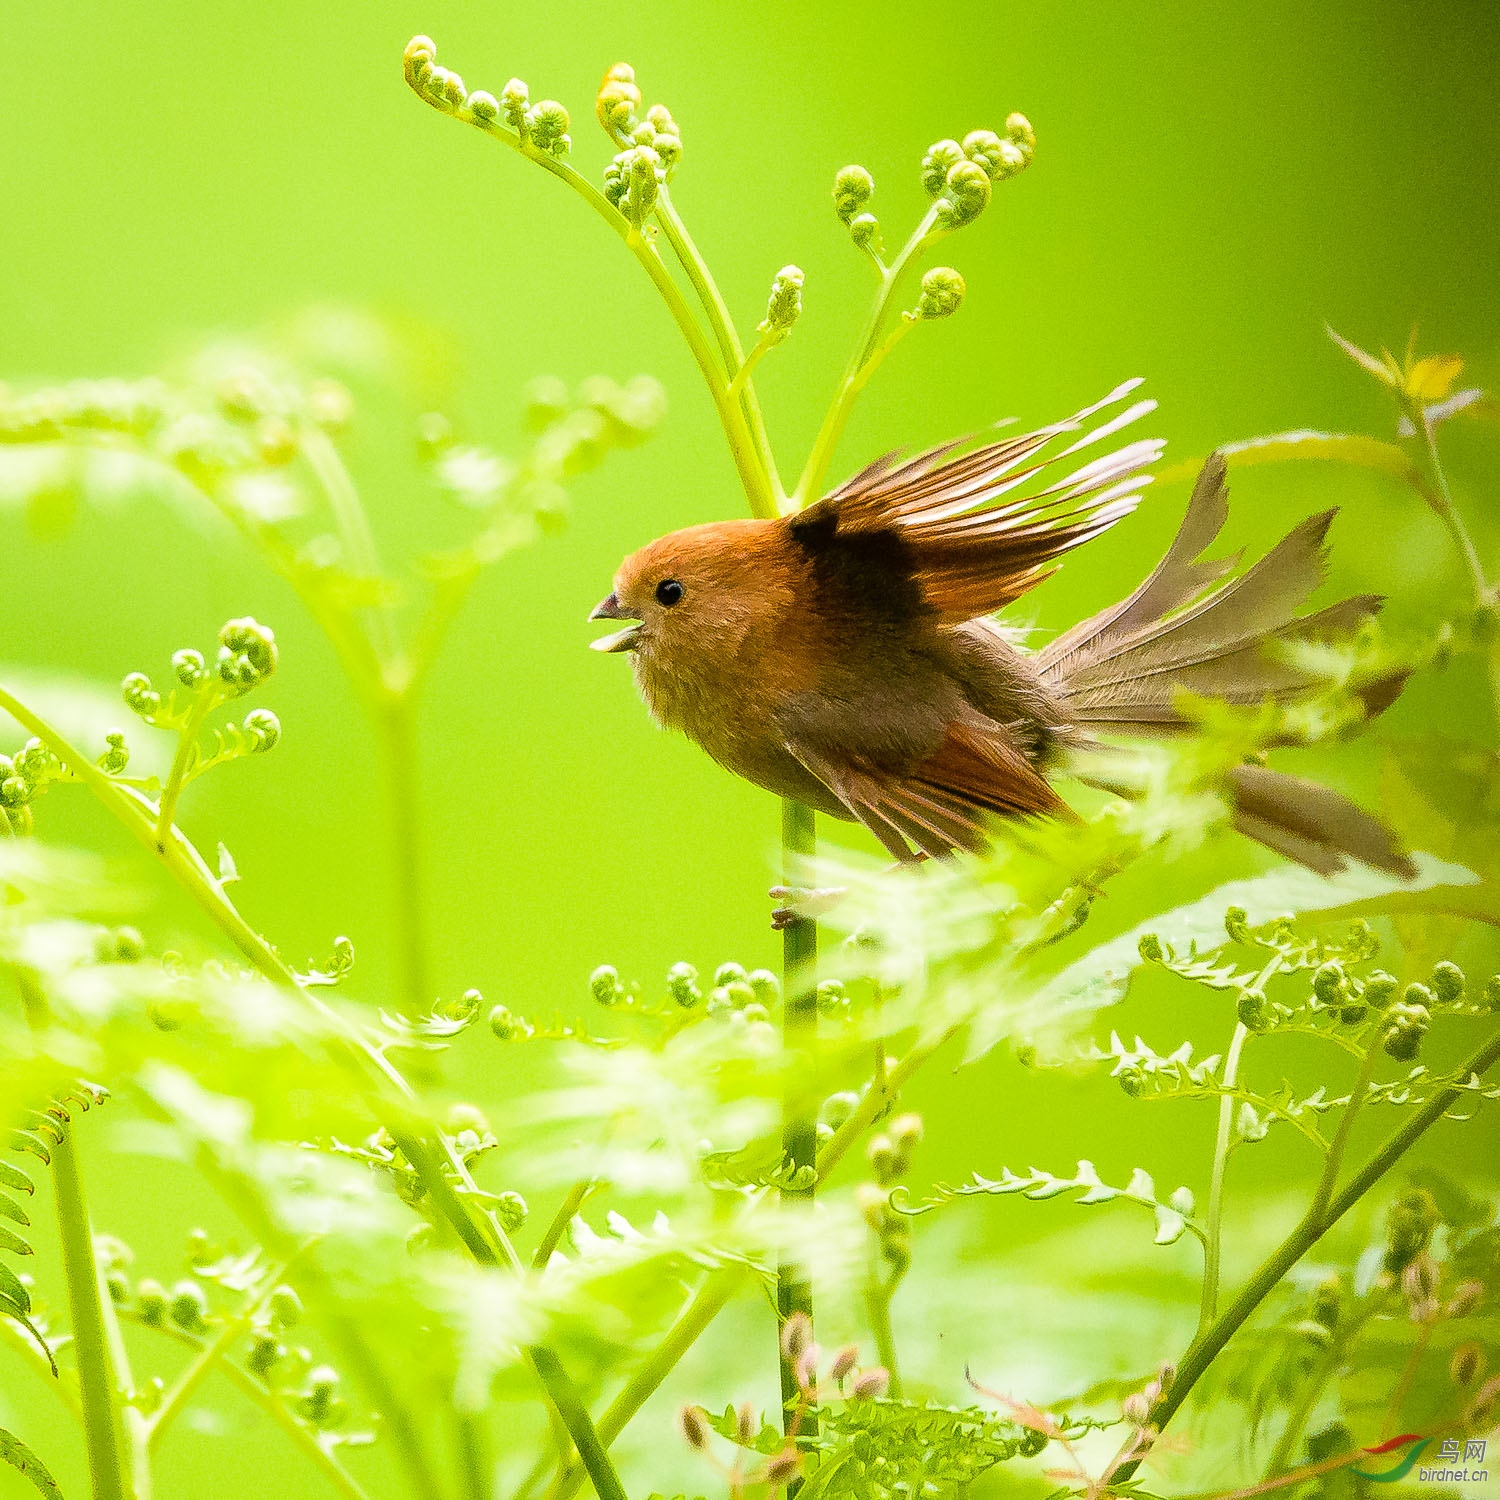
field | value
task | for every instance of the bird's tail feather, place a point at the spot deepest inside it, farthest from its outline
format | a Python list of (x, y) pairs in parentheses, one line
[(1184, 629)]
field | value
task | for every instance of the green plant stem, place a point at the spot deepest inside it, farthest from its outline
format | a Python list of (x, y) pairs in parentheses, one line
[(868, 352), (705, 1306), (576, 1197), (191, 1378), (1307, 1401), (876, 1100), (1340, 1143), (187, 747), (389, 1094), (109, 1464), (591, 1450), (1483, 594), (758, 352), (1207, 1345), (302, 1436), (730, 349), (1213, 1242), (353, 527), (1403, 1385), (473, 1456), (878, 1295), (742, 445), (395, 714), (799, 1123)]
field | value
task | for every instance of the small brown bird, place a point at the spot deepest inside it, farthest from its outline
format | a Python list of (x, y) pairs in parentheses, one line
[(845, 656)]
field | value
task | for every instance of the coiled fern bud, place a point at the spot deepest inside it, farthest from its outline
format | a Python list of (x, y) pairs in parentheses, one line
[(942, 293), (784, 306), (966, 195), (618, 101), (547, 127), (853, 187), (247, 654), (940, 158), (515, 100)]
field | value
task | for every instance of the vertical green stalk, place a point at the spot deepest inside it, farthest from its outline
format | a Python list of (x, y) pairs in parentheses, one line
[(799, 1126), (396, 715), (868, 354), (1484, 593), (1213, 1242), (474, 1466), (108, 1467), (1208, 1343)]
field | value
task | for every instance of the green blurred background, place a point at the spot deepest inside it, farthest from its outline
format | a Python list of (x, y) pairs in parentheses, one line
[(1212, 182)]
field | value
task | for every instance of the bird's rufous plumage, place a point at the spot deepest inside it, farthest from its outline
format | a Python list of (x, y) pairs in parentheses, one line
[(845, 656)]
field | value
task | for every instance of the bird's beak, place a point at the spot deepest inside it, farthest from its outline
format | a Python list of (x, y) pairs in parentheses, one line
[(622, 640)]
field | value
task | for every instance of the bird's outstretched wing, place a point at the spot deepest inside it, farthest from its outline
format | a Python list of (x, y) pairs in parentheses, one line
[(939, 803), (970, 528)]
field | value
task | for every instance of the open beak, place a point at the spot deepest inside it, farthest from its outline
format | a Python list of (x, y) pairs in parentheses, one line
[(621, 640)]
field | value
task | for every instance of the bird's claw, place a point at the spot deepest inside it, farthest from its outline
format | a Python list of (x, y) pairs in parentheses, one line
[(803, 904)]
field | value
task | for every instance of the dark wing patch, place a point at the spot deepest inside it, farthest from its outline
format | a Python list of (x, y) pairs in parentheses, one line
[(974, 533)]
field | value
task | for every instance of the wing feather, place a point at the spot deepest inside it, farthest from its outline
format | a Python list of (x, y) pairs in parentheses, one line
[(972, 532)]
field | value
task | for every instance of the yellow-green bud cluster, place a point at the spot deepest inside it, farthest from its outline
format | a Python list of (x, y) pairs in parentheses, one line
[(247, 654), (119, 945), (116, 755), (1409, 1229), (960, 174), (262, 730), (942, 293), (1407, 1023), (784, 306), (660, 132), (133, 407), (617, 102), (632, 181), (853, 187), (543, 125), (889, 1155), (682, 985), (437, 85), (24, 775), (512, 1209), (605, 985), (318, 1402)]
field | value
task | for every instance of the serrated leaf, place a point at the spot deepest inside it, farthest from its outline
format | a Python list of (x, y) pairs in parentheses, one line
[(24, 1461), (1102, 976)]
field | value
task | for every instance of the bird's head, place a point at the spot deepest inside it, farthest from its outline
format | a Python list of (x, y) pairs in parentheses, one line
[(694, 591)]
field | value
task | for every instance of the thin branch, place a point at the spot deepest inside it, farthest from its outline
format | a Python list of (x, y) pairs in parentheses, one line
[(867, 355), (1206, 1347), (1213, 1242)]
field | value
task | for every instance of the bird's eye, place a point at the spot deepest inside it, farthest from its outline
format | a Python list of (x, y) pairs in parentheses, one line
[(668, 592)]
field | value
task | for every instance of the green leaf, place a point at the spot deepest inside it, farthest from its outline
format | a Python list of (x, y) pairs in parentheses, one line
[(1101, 977), (13, 1289), (14, 1243), (10, 1209), (1349, 448), (15, 1179), (22, 1459)]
